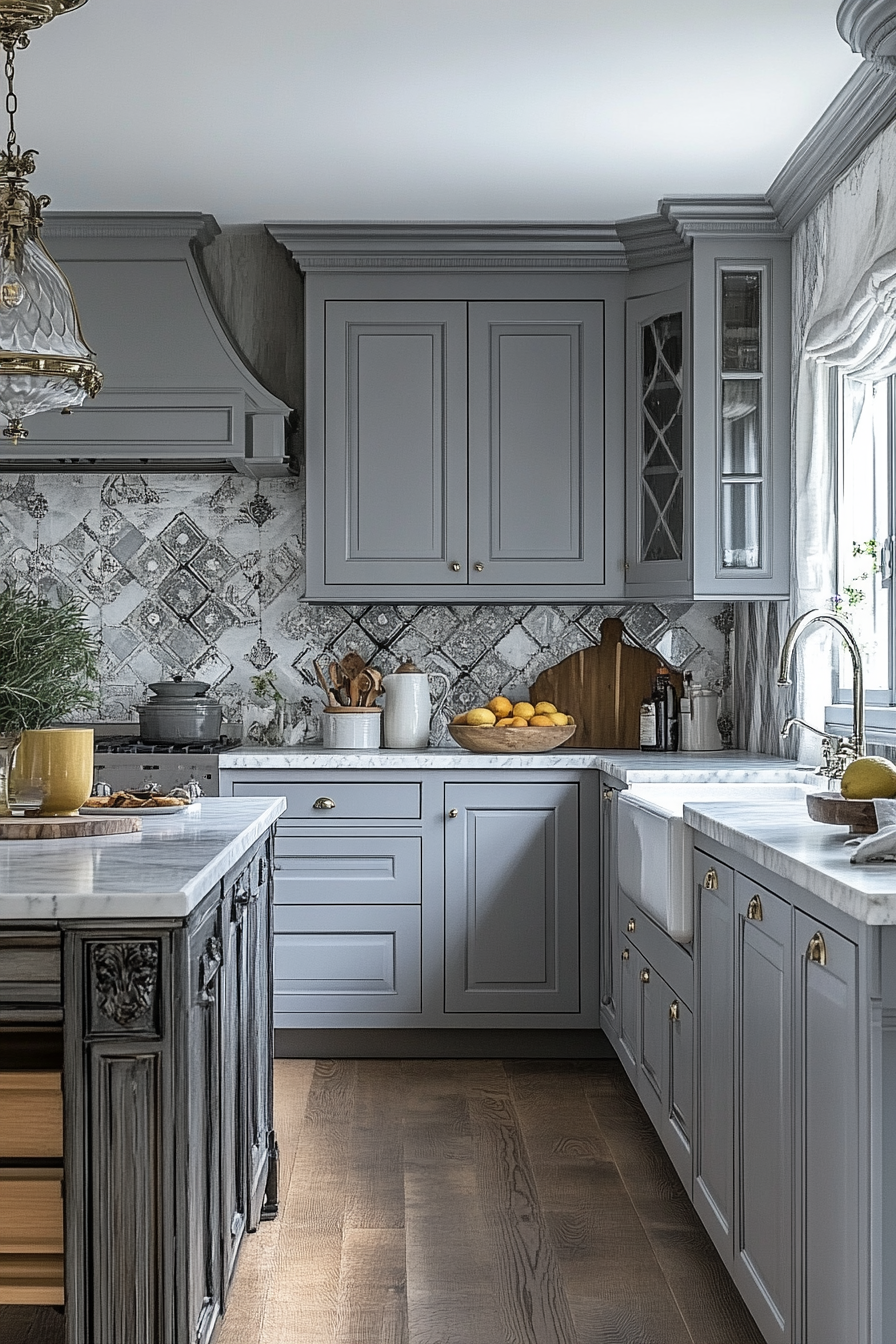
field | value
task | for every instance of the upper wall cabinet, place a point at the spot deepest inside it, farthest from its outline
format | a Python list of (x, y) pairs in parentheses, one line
[(708, 412), (464, 417)]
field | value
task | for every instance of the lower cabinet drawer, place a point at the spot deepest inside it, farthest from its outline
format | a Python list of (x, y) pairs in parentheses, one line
[(30, 1114), (351, 959), (30, 1210), (348, 870), (332, 801)]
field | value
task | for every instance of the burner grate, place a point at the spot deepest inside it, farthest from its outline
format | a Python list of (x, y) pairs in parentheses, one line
[(133, 746)]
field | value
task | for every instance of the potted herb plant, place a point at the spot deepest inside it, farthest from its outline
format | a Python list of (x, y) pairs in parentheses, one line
[(48, 669)]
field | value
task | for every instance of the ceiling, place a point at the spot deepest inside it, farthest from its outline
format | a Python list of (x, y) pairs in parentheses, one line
[(422, 109)]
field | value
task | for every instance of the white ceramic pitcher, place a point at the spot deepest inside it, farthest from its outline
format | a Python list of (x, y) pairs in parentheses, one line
[(409, 706)]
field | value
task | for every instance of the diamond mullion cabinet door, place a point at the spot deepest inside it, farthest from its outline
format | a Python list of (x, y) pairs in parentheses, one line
[(763, 1247), (714, 1137), (537, 511), (395, 452), (741, 417), (658, 525), (832, 1234)]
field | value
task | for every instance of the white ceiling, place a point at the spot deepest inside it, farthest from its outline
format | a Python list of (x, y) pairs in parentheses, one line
[(422, 109)]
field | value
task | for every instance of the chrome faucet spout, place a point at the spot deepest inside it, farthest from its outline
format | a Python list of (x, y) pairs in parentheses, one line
[(801, 624)]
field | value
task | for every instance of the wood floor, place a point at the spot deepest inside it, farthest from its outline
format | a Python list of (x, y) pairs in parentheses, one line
[(469, 1202)]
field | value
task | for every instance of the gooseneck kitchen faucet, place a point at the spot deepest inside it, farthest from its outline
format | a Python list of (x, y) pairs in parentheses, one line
[(837, 752)]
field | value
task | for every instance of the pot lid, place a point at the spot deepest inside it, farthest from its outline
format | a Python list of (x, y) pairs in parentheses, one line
[(406, 668), (178, 689)]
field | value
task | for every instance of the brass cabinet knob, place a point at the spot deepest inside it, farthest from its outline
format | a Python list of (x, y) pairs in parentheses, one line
[(453, 812), (625, 954), (754, 909), (631, 926), (817, 951), (454, 566), (323, 804), (711, 880), (608, 795), (645, 977), (479, 566), (673, 1011)]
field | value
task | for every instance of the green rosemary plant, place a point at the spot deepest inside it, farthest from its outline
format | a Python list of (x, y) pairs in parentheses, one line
[(48, 660)]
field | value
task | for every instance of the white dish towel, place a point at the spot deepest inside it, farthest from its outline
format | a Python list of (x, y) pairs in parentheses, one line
[(879, 848)]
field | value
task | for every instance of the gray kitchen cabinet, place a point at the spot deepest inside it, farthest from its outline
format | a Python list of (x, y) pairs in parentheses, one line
[(511, 897), (627, 1017), (763, 1106), (463, 453), (609, 909), (427, 898)]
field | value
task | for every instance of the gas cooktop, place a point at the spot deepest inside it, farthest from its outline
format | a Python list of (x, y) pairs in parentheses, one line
[(128, 746)]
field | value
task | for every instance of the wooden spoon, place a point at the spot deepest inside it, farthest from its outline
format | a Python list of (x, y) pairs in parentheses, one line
[(352, 666), (328, 690), (338, 680)]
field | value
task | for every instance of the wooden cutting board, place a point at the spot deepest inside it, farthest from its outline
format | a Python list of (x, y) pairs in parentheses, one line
[(65, 828), (602, 688)]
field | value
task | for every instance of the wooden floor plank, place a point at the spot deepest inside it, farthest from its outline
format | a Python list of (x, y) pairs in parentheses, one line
[(244, 1318), (375, 1172), (372, 1304), (450, 1270), (704, 1292), (531, 1296), (616, 1289)]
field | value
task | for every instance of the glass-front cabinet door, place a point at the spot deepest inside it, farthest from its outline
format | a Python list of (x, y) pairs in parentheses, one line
[(658, 432), (741, 420)]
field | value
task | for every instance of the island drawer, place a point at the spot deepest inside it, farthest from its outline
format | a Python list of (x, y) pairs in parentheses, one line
[(348, 870), (352, 959), (30, 1210), (339, 800), (31, 1280), (29, 970), (30, 1114)]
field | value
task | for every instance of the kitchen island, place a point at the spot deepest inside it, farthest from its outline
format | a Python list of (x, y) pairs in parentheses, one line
[(135, 1067)]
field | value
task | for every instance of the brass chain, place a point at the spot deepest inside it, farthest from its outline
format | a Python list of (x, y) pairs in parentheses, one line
[(12, 101)]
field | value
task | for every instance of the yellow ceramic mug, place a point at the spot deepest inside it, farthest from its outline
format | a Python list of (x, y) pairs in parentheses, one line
[(63, 759)]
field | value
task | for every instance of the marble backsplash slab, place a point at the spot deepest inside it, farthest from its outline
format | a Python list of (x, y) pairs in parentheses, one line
[(205, 575)]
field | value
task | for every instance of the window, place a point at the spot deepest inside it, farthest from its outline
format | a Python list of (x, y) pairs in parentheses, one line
[(866, 524)]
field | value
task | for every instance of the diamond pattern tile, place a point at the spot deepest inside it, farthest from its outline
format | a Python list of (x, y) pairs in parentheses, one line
[(213, 564), (183, 592), (150, 565), (182, 539)]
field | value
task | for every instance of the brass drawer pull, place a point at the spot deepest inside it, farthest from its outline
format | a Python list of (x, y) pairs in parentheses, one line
[(631, 926), (754, 909), (453, 812), (816, 951), (673, 1011), (645, 977), (479, 566), (711, 881), (323, 805), (625, 954)]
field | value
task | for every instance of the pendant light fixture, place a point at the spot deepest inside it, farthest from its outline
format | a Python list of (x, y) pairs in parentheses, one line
[(45, 363)]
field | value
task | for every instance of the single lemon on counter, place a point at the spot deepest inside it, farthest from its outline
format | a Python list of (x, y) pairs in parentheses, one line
[(480, 718), (500, 706), (523, 710), (869, 777), (545, 707)]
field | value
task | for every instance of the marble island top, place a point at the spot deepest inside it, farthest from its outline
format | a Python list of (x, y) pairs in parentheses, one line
[(623, 766), (161, 872), (782, 838)]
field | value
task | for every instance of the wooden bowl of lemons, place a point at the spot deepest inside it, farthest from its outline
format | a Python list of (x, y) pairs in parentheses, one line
[(501, 728)]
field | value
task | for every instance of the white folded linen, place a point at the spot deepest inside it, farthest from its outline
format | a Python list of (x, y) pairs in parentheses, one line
[(879, 848)]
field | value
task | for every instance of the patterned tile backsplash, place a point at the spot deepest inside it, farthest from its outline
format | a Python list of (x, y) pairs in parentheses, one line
[(204, 575)]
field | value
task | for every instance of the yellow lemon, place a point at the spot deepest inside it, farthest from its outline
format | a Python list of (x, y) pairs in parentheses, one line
[(500, 706), (480, 718), (517, 722), (545, 707), (523, 710), (541, 721), (869, 777), (459, 718), (558, 718), (570, 719)]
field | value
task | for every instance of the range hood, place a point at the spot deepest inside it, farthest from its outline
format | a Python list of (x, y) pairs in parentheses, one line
[(178, 394)]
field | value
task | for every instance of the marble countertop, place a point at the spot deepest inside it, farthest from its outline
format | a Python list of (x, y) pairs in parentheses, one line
[(161, 872), (782, 838), (623, 766)]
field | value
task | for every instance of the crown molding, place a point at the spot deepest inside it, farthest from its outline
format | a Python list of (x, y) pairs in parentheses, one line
[(131, 224), (651, 240), (869, 26), (862, 109), (411, 246), (698, 216)]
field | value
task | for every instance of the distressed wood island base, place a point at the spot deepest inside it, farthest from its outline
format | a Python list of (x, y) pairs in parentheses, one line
[(135, 1072)]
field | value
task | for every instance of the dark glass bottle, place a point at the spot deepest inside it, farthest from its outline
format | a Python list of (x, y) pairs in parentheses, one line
[(666, 707)]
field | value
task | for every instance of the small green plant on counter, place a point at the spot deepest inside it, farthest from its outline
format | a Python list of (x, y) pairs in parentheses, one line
[(48, 660)]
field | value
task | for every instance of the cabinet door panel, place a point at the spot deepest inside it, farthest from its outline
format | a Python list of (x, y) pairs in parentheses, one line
[(511, 898), (678, 1119), (343, 870), (714, 1149), (654, 996), (609, 905), (627, 1018), (829, 1143), (349, 959), (395, 442), (536, 443), (763, 1107)]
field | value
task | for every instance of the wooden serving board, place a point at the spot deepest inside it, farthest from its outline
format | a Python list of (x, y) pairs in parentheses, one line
[(835, 810), (602, 688), (66, 828)]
